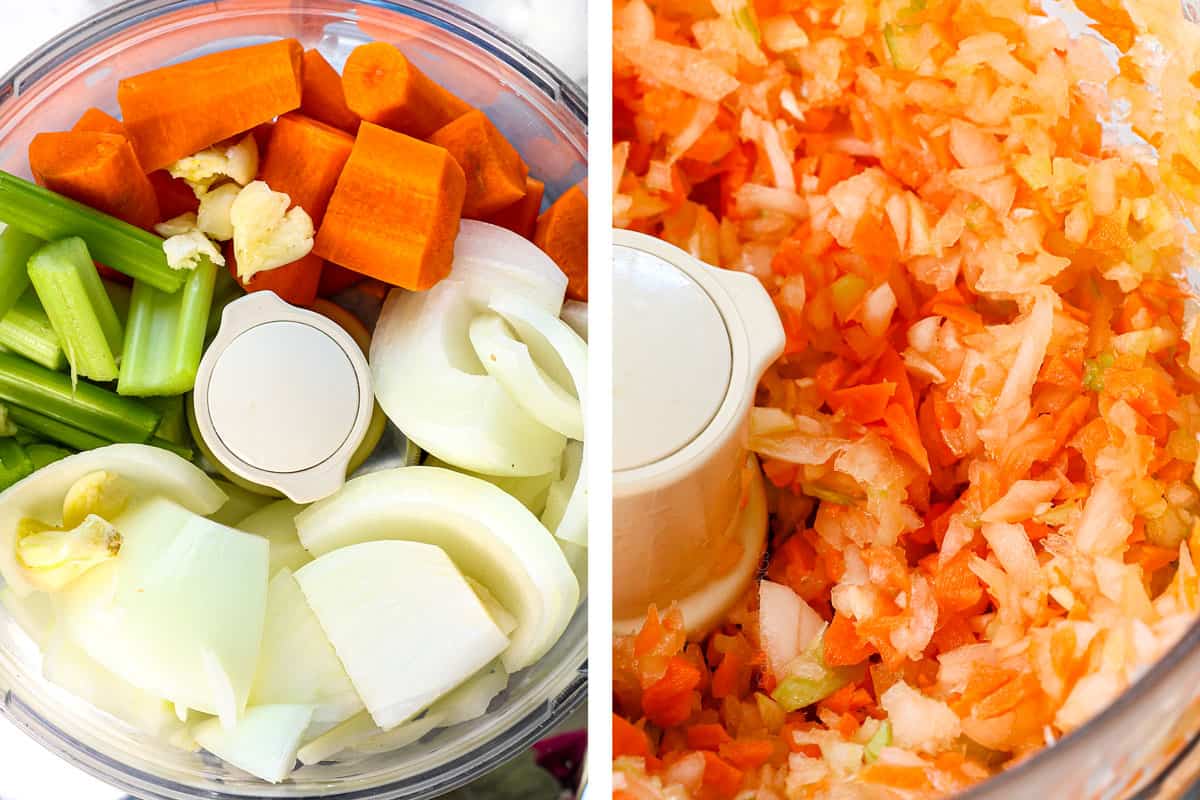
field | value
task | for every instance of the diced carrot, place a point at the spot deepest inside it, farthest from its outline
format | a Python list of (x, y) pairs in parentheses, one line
[(323, 98), (905, 434), (96, 121), (955, 587), (721, 776), (296, 282), (382, 86), (896, 776), (396, 210), (304, 159), (495, 172), (747, 754), (521, 217), (863, 403), (174, 195), (707, 736), (179, 110), (725, 679), (843, 646), (97, 169), (650, 635), (335, 279), (668, 701), (628, 739), (562, 234)]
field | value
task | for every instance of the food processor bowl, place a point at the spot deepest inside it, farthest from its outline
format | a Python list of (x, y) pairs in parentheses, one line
[(542, 113)]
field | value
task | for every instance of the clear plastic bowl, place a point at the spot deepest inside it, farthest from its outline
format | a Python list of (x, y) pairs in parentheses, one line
[(541, 112)]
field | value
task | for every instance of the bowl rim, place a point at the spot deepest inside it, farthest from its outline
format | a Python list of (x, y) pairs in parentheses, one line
[(523, 732)]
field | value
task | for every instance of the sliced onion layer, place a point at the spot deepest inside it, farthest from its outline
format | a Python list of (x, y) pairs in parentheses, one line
[(489, 535), (264, 741)]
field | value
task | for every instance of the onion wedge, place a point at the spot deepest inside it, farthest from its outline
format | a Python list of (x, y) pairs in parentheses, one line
[(488, 534), (264, 741)]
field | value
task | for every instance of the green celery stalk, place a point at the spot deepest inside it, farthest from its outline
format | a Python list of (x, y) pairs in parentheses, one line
[(46, 428), (47, 215), (42, 454), (16, 247), (225, 292), (183, 451), (26, 330), (119, 295), (14, 463), (84, 406), (881, 739), (164, 337), (174, 427), (73, 296)]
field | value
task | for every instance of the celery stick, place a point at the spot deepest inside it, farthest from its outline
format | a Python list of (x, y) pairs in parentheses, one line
[(119, 294), (42, 454), (173, 427), (183, 451), (14, 463), (225, 292), (165, 335), (73, 296), (16, 247), (85, 406), (26, 330), (47, 215), (46, 428)]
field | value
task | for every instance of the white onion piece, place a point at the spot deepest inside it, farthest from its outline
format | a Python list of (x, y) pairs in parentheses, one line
[(566, 503), (431, 385), (427, 377), (404, 622), (264, 741), (241, 503), (575, 314), (340, 738), (531, 490), (297, 665), (33, 614), (277, 524), (787, 624), (555, 347), (401, 736), (67, 666), (507, 360), (149, 471), (179, 612), (471, 700), (489, 535), (491, 259), (577, 557)]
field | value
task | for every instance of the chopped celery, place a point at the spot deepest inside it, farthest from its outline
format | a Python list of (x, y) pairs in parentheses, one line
[(880, 739), (817, 682), (42, 454), (165, 336), (182, 450), (55, 431), (84, 406), (173, 427), (1094, 369), (47, 215), (14, 463), (74, 299), (26, 330), (848, 292), (225, 292), (16, 247)]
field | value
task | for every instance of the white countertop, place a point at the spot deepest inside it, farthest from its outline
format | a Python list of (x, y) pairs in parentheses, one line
[(556, 27)]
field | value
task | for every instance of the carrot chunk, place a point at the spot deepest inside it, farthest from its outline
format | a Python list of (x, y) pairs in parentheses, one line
[(96, 121), (179, 110), (175, 197), (396, 209), (521, 216), (304, 159), (324, 99), (707, 736), (747, 753), (628, 739), (383, 86), (495, 172), (97, 169), (335, 279), (721, 776), (562, 234)]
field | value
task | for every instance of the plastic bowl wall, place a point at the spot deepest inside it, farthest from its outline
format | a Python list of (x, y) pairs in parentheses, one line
[(540, 111)]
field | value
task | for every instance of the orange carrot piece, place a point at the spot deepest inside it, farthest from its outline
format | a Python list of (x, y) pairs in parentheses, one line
[(562, 234), (175, 197), (495, 172), (396, 210), (628, 739), (707, 736), (179, 110), (296, 283), (721, 776), (96, 121), (335, 279), (324, 99), (843, 645), (863, 403), (747, 754), (384, 87), (97, 169), (725, 679), (521, 216), (668, 701), (905, 433)]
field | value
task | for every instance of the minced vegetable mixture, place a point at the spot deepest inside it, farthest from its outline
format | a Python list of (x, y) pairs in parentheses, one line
[(981, 440)]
